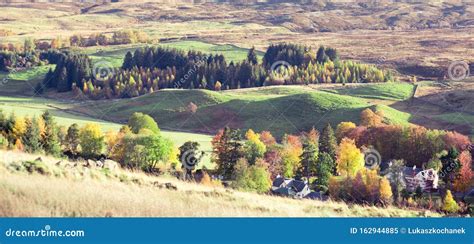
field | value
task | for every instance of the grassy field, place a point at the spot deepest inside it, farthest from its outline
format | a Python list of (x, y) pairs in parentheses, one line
[(114, 54), (284, 109), (230, 52), (120, 193), (385, 91), (458, 119), (24, 81)]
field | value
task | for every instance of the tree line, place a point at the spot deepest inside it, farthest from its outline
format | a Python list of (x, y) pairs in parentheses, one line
[(152, 68)]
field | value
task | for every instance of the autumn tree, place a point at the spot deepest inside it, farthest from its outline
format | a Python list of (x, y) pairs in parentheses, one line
[(343, 129), (456, 140), (385, 191), (368, 118), (19, 127), (218, 86), (273, 157), (140, 121), (227, 150), (463, 180), (292, 149), (267, 138), (192, 108), (254, 147), (449, 204), (72, 140), (349, 158), (92, 140)]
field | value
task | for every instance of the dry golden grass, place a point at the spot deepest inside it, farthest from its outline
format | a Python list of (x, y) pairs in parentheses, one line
[(94, 194)]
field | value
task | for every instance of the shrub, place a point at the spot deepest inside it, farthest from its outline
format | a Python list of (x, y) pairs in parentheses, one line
[(208, 181), (366, 187), (92, 140), (3, 142), (254, 178), (140, 121), (36, 167), (450, 205), (145, 151)]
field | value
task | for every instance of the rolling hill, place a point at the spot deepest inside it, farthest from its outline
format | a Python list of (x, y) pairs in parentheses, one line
[(280, 110)]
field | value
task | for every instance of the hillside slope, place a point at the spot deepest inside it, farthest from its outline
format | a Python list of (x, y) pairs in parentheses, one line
[(84, 192), (280, 110)]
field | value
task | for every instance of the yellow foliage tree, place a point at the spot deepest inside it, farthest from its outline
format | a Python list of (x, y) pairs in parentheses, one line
[(41, 126), (19, 127), (349, 158), (343, 128), (385, 191), (254, 147), (369, 118), (449, 204), (19, 145), (92, 140), (292, 150), (218, 86)]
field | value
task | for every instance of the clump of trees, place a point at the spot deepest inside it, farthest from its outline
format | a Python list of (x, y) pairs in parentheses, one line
[(152, 68), (102, 39), (14, 58), (334, 162), (138, 145), (416, 145)]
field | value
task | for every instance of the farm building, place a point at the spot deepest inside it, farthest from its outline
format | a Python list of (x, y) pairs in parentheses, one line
[(426, 179), (290, 187)]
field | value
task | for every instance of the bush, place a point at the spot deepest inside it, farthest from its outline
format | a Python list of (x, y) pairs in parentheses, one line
[(208, 181), (146, 151), (450, 205), (254, 178), (92, 140), (3, 142), (366, 187), (36, 167), (140, 121)]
